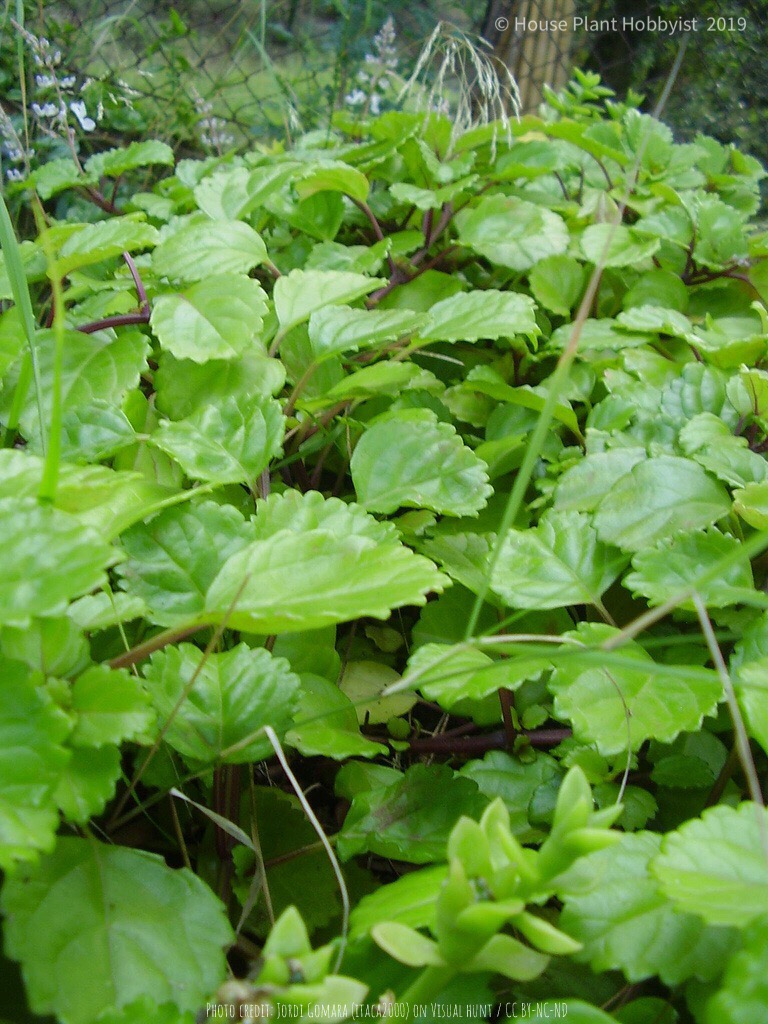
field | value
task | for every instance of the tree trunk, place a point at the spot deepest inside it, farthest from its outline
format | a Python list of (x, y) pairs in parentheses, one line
[(534, 39)]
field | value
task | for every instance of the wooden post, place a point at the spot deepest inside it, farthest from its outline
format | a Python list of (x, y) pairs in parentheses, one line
[(535, 55)]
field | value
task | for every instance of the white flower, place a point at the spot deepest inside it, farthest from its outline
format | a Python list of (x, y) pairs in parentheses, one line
[(355, 98), (44, 81), (78, 109), (14, 175), (375, 103), (46, 110), (68, 82)]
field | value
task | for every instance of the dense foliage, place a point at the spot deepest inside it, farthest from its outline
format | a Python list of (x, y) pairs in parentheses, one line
[(315, 480), (722, 87)]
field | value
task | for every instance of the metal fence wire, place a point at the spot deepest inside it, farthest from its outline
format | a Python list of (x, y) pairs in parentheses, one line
[(223, 72)]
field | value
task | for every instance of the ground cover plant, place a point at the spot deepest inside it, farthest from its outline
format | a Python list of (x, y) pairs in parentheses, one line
[(383, 614)]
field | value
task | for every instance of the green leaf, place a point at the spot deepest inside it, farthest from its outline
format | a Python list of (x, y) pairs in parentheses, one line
[(693, 761), (52, 645), (364, 681), (101, 499), (95, 431), (74, 562), (560, 562), (656, 320), (110, 706), (319, 216), (657, 288), (301, 513), (449, 675), (412, 819), (55, 176), (11, 338), (512, 232), (608, 705), (589, 481), (142, 1010), (231, 194), (748, 392), (518, 783), (710, 442), (613, 906), (32, 759), (488, 382), (658, 498), (692, 391), (470, 316), (596, 335), (298, 294), (334, 177), (671, 223), (227, 443), (410, 459), (94, 243), (720, 236), (427, 198), (313, 651), (218, 318), (751, 503), (94, 366), (410, 900), (743, 993), (579, 1012), (203, 248), (299, 878), (293, 582), (33, 266), (509, 957), (141, 929), (752, 691), (715, 866), (183, 387), (113, 162), (88, 782), (464, 556), (380, 379), (673, 564), (326, 723), (230, 697), (100, 611), (335, 329), (406, 944), (557, 283), (174, 558), (615, 245)]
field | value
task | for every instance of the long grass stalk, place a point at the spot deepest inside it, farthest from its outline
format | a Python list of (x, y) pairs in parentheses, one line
[(50, 478), (14, 266)]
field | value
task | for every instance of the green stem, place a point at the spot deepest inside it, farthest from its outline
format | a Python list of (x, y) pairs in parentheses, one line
[(50, 478), (429, 984), (300, 385), (18, 279)]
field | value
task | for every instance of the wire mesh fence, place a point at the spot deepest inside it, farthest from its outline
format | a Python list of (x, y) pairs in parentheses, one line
[(222, 72), (235, 70)]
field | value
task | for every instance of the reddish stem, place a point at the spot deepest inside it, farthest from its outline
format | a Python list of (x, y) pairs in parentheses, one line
[(473, 745), (124, 320)]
